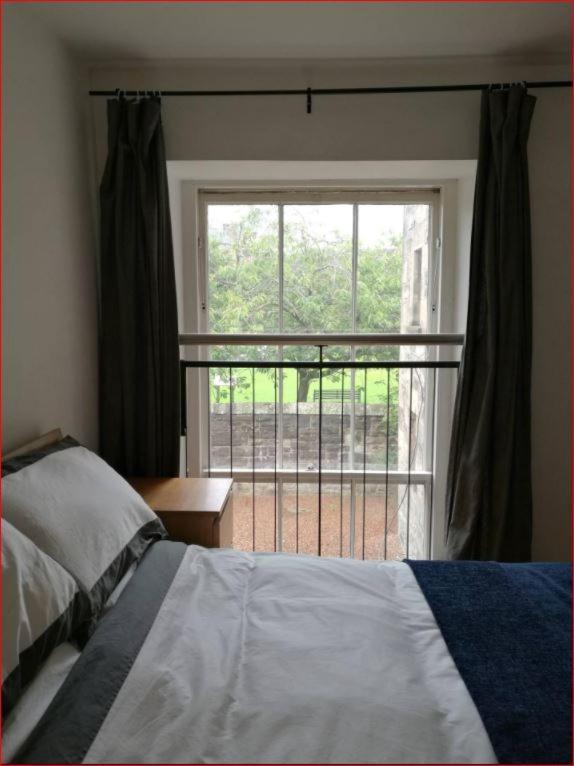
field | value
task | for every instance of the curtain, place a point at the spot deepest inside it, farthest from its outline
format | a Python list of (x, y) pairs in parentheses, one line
[(139, 353), (489, 495)]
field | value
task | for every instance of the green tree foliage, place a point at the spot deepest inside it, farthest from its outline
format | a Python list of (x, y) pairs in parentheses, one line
[(244, 286)]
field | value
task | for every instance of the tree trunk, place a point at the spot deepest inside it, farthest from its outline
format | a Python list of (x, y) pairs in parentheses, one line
[(305, 379)]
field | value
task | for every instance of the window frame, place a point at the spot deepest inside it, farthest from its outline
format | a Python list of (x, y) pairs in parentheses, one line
[(301, 195), (308, 196)]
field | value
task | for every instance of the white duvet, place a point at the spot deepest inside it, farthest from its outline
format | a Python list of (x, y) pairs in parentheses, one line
[(292, 659)]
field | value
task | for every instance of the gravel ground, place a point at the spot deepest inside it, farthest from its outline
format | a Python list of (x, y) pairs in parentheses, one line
[(304, 525)]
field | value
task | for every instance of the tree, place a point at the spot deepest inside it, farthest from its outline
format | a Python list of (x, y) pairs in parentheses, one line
[(317, 278)]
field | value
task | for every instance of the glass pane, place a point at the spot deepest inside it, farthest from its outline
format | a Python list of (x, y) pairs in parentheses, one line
[(243, 256), (318, 248), (392, 272)]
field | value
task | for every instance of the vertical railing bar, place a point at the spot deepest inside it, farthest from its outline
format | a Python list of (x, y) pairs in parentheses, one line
[(280, 416), (279, 514), (431, 501), (281, 278), (183, 411), (208, 423), (230, 424), (319, 496), (297, 462), (352, 514), (341, 461), (279, 460), (353, 414), (354, 275), (387, 464), (409, 463), (275, 465), (253, 455), (364, 464)]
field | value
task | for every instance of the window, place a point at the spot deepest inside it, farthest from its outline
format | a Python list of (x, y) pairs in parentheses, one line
[(318, 262), (303, 262)]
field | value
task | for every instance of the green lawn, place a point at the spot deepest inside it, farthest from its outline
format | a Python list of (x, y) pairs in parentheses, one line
[(265, 385)]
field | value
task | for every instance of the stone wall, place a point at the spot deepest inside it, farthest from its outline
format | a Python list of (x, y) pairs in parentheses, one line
[(304, 430)]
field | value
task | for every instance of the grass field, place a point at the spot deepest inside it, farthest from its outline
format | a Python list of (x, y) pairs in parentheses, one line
[(265, 386)]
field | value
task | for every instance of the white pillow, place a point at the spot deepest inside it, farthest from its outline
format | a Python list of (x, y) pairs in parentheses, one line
[(42, 608), (79, 511)]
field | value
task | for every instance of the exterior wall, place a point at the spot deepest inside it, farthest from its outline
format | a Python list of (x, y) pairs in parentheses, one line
[(413, 418)]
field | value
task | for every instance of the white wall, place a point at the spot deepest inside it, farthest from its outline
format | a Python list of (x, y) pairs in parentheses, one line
[(49, 296), (402, 127)]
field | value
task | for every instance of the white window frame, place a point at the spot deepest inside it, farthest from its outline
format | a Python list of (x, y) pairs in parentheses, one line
[(354, 197), (455, 179)]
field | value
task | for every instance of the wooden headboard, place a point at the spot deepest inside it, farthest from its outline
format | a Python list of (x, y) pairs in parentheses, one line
[(42, 441)]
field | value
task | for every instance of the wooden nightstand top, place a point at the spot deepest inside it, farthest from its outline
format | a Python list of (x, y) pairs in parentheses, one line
[(184, 495)]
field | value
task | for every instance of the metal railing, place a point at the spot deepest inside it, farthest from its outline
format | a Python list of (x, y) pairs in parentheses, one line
[(372, 476)]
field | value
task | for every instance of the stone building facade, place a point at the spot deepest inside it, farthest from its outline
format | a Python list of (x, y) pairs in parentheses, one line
[(414, 408)]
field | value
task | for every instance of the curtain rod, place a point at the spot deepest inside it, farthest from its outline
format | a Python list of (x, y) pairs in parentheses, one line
[(310, 92)]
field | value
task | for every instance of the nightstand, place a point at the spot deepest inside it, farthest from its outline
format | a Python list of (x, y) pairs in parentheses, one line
[(196, 511)]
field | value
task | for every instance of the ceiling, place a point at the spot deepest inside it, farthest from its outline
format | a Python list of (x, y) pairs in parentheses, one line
[(309, 30)]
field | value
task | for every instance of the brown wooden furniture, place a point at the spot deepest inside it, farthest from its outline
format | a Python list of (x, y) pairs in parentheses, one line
[(196, 511), (42, 441)]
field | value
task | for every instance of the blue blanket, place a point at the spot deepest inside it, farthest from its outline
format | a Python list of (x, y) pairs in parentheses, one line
[(508, 628)]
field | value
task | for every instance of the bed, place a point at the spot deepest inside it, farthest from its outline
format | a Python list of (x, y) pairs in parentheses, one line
[(194, 655)]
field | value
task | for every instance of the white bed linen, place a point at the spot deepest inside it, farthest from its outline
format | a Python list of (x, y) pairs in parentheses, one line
[(35, 700), (31, 707), (285, 659)]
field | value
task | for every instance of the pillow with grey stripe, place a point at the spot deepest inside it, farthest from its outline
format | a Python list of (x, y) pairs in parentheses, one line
[(82, 513), (42, 608)]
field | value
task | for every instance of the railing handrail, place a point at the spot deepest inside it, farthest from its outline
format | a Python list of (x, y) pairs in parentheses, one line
[(322, 339), (238, 364)]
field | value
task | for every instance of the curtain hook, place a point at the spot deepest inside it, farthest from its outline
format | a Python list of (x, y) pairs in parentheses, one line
[(309, 101)]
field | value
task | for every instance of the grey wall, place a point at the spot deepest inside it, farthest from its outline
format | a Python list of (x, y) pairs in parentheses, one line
[(49, 296), (403, 127)]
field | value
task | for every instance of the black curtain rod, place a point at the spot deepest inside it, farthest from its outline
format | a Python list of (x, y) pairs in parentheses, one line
[(333, 91), (310, 92)]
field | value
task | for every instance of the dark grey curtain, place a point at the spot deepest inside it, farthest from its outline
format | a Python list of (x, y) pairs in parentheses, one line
[(489, 497), (139, 354)]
